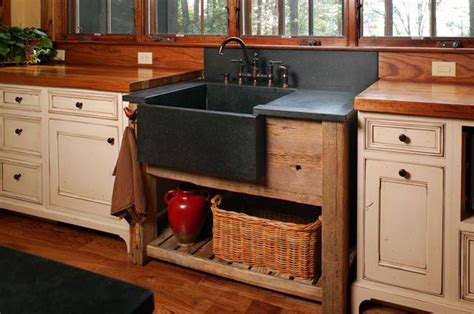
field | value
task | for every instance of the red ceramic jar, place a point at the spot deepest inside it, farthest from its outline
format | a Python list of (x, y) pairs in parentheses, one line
[(187, 211)]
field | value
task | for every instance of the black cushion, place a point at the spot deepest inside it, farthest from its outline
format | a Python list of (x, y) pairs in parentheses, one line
[(32, 284)]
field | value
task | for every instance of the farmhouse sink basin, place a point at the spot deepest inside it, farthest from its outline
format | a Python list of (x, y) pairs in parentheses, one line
[(206, 128)]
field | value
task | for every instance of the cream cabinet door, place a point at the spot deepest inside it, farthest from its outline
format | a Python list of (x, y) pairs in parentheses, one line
[(82, 159), (403, 222)]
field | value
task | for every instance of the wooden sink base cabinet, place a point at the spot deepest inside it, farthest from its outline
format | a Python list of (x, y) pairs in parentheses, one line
[(307, 163), (415, 243)]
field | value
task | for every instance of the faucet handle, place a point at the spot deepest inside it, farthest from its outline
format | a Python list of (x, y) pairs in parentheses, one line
[(226, 77), (239, 61), (255, 57), (272, 62)]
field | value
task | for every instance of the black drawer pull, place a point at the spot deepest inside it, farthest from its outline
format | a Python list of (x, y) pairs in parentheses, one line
[(17, 176), (18, 131), (79, 105), (18, 99), (403, 138), (111, 140), (403, 173)]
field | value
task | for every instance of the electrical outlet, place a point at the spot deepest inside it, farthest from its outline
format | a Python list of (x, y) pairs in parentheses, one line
[(60, 55), (444, 69), (145, 58)]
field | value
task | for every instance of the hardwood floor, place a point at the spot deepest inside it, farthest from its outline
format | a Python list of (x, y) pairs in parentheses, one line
[(176, 289)]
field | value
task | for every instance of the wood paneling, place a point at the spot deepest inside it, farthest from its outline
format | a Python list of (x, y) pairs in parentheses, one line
[(5, 12), (115, 79), (126, 55), (422, 99), (52, 18), (417, 67)]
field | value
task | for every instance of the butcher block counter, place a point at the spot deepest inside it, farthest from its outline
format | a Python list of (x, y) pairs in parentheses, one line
[(111, 79), (420, 99)]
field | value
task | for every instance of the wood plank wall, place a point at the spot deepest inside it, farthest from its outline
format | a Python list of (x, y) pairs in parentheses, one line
[(5, 12), (417, 67), (126, 55)]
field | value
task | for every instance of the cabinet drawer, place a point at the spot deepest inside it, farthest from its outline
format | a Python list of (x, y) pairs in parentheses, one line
[(405, 137), (21, 134), (467, 267), (101, 105), (21, 181), (18, 98)]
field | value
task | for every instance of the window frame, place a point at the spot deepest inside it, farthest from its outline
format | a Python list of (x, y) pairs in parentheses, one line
[(93, 37), (55, 20)]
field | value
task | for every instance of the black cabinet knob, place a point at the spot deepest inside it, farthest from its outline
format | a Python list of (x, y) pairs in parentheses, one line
[(18, 131), (403, 173), (18, 99), (17, 176), (403, 138), (79, 105), (111, 140)]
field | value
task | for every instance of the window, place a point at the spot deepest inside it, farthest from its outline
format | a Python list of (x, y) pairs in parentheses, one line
[(395, 23), (418, 18), (187, 17), (101, 16), (321, 18)]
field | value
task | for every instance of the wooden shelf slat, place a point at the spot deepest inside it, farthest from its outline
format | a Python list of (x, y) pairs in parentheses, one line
[(200, 257)]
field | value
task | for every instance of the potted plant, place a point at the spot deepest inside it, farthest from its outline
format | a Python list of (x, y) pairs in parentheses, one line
[(24, 46)]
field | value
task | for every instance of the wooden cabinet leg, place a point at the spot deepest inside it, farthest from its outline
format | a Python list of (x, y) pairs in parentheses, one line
[(335, 216), (141, 235)]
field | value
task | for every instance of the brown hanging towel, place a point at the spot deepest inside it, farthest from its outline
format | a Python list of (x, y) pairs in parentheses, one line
[(128, 197)]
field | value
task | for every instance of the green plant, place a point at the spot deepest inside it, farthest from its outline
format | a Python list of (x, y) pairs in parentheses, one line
[(24, 45)]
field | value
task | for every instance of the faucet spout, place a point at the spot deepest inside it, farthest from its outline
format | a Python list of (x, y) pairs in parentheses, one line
[(242, 45)]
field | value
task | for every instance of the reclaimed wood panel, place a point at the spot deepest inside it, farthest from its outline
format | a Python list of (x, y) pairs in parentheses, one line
[(126, 55), (422, 99), (335, 217), (417, 67)]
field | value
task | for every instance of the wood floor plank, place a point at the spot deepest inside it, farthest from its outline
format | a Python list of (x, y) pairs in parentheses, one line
[(176, 289)]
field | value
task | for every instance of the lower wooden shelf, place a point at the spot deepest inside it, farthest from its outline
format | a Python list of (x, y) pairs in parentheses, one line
[(199, 256)]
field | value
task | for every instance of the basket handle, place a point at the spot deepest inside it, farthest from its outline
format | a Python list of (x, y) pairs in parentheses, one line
[(216, 200)]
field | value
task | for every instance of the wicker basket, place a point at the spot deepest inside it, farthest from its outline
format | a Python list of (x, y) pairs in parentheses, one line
[(275, 239)]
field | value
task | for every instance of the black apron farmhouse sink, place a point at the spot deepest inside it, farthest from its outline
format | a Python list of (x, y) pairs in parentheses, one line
[(206, 128)]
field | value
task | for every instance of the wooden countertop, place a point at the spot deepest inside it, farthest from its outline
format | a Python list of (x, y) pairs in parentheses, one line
[(422, 99), (110, 78)]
